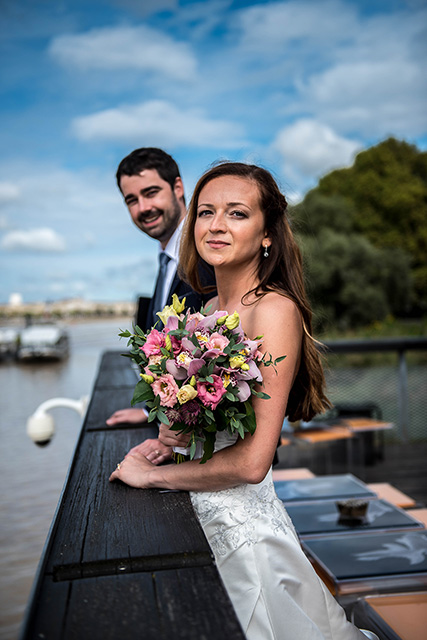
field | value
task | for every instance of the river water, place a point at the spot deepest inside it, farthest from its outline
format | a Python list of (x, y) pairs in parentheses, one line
[(32, 477)]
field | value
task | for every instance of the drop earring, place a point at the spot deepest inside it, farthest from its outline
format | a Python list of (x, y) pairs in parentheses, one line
[(266, 251)]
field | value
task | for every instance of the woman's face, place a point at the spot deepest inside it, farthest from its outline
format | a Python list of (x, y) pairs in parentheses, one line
[(229, 228)]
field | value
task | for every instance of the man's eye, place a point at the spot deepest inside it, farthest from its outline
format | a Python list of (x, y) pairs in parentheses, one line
[(130, 202)]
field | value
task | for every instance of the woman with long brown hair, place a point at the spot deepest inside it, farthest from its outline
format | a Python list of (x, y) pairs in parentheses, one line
[(237, 223)]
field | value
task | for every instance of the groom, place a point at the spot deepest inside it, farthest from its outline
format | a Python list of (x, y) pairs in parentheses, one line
[(153, 191)]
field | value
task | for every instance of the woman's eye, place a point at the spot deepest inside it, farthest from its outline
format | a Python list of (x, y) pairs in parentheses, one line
[(204, 212), (238, 214)]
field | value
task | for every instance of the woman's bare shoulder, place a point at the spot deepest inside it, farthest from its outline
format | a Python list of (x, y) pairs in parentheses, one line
[(274, 314), (276, 305)]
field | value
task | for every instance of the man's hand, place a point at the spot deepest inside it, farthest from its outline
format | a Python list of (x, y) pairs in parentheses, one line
[(172, 438), (154, 450), (132, 416)]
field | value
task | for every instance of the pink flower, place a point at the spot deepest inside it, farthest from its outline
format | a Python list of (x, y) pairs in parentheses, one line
[(166, 388), (155, 341), (217, 344), (210, 393)]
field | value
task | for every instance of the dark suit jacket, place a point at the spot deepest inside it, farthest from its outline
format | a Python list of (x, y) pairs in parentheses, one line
[(194, 301)]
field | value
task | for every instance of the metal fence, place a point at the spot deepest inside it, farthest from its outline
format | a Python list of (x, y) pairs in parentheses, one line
[(390, 373)]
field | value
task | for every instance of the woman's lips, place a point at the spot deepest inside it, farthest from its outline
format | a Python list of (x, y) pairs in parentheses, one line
[(217, 244)]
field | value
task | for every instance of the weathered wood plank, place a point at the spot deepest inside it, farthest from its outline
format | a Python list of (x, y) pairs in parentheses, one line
[(102, 521), (183, 604), (115, 371), (104, 403)]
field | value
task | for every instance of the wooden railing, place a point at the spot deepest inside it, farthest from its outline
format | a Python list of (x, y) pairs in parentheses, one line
[(120, 562)]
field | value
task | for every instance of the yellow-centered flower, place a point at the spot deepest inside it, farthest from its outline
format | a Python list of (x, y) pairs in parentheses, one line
[(226, 379)]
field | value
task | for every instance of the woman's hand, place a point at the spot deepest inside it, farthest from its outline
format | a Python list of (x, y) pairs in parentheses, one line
[(132, 416), (134, 470), (172, 438), (154, 450)]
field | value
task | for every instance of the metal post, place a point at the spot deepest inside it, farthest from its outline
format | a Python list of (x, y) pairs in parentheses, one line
[(403, 398)]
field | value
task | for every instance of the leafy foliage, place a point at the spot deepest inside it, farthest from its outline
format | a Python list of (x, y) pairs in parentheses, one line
[(363, 232)]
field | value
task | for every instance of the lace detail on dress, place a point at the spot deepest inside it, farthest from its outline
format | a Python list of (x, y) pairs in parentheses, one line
[(235, 513)]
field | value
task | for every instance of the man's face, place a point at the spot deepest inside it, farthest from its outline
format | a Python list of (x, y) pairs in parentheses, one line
[(154, 206)]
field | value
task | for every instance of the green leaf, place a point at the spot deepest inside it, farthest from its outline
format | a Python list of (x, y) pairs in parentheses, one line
[(193, 447), (194, 340), (209, 413), (208, 447), (162, 417), (250, 420), (260, 394), (279, 359), (142, 392)]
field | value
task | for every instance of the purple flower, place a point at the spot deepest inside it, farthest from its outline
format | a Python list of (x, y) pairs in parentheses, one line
[(189, 412), (173, 415)]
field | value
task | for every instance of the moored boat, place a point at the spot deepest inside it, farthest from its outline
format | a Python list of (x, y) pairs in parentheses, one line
[(8, 342), (43, 341)]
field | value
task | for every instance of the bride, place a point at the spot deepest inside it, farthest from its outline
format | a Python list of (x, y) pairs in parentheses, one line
[(237, 223)]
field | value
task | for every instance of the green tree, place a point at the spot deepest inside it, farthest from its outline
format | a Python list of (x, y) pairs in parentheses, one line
[(386, 191), (350, 282)]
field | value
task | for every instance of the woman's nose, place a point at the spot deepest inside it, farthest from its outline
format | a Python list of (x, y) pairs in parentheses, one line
[(217, 223)]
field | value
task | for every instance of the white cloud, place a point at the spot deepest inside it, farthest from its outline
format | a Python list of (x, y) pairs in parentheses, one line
[(159, 123), (8, 192), (371, 97), (43, 240), (122, 48), (267, 28), (313, 149), (360, 74)]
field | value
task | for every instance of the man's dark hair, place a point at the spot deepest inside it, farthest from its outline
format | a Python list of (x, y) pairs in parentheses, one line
[(149, 158)]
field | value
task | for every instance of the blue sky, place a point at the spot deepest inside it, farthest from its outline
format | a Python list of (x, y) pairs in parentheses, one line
[(297, 86)]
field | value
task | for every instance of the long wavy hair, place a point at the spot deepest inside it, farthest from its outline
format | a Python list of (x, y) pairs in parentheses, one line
[(281, 272)]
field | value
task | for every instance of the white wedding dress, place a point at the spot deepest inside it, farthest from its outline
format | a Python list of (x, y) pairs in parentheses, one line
[(275, 592)]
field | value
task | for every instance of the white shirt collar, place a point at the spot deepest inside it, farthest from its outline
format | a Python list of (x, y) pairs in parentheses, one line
[(172, 247)]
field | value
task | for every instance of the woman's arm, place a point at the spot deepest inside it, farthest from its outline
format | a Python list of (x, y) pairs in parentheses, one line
[(248, 460)]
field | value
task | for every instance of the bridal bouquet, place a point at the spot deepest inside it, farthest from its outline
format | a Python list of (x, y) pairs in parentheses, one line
[(198, 374)]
